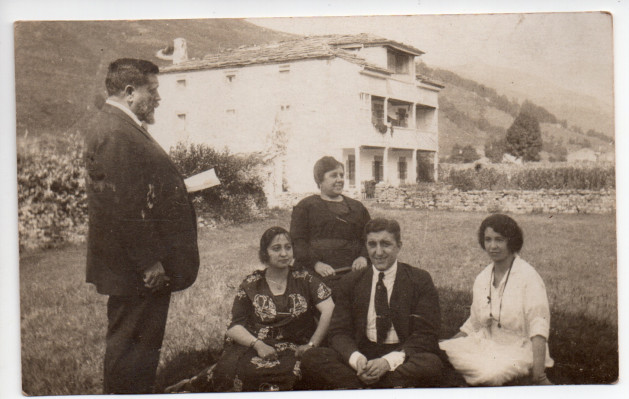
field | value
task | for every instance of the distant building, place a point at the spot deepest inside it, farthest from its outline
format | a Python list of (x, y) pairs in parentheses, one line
[(582, 155), (609, 156), (355, 97), (508, 158)]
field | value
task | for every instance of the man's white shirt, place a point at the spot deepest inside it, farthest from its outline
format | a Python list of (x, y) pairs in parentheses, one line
[(395, 358)]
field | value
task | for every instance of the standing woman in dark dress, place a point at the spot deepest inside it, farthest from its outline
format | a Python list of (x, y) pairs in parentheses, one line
[(327, 228)]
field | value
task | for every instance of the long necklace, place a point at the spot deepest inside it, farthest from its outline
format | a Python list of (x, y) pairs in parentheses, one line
[(280, 285), (491, 316)]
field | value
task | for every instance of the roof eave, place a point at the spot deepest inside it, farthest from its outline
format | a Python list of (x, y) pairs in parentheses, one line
[(200, 66)]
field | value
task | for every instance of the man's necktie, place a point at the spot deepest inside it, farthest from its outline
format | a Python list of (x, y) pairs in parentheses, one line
[(383, 316)]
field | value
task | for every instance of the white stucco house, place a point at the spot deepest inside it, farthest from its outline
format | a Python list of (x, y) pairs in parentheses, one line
[(355, 97)]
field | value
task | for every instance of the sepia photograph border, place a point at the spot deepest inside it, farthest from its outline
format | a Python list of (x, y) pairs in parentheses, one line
[(10, 379)]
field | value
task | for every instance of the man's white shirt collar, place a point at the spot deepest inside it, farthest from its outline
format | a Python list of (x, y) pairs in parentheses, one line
[(125, 110), (390, 271)]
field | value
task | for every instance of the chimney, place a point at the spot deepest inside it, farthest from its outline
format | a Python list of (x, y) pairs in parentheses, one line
[(180, 51)]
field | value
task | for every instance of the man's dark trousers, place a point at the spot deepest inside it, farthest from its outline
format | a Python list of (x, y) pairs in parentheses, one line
[(134, 339), (326, 369)]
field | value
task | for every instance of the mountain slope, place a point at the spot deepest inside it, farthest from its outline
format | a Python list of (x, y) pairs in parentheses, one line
[(60, 66), (585, 111)]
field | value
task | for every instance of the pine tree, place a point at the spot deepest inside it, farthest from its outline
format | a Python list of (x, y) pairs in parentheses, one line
[(524, 137)]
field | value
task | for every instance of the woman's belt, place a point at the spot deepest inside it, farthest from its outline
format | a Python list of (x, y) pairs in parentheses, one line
[(331, 243)]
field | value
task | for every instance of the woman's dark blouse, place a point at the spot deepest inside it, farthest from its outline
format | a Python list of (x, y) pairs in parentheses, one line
[(286, 317), (327, 231)]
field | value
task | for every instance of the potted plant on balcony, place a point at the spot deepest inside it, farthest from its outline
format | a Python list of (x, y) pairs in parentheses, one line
[(381, 127)]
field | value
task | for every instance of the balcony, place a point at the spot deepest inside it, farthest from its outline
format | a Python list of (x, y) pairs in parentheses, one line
[(396, 137)]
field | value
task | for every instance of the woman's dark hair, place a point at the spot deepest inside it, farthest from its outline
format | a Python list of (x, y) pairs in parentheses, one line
[(506, 227), (324, 165), (267, 238), (382, 224), (128, 72)]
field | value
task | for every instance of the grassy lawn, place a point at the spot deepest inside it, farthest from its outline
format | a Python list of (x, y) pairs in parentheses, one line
[(64, 322)]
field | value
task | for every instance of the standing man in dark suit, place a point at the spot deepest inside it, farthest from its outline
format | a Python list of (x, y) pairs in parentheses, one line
[(142, 240), (385, 325)]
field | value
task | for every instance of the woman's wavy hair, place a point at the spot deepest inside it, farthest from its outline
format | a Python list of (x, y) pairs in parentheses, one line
[(267, 238), (506, 227), (324, 165)]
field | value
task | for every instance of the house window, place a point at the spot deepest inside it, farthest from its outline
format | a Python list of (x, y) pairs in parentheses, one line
[(424, 117), (377, 169), (181, 122), (398, 113), (230, 75), (377, 111), (351, 170), (364, 98), (285, 107), (181, 83), (401, 169), (284, 69), (230, 111), (397, 62)]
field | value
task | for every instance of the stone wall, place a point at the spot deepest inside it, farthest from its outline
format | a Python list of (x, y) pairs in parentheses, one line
[(440, 197), (513, 201)]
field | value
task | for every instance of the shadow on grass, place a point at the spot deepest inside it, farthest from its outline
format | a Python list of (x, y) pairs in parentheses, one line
[(585, 350), (184, 365)]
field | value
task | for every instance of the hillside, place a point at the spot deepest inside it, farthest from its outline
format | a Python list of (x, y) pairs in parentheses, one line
[(472, 114), (60, 69), (586, 111), (60, 66)]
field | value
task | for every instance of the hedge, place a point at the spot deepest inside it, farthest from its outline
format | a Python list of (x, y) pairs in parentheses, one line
[(570, 177), (52, 201), (240, 196)]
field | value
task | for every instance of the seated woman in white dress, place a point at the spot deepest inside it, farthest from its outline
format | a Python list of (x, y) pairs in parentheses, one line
[(505, 337)]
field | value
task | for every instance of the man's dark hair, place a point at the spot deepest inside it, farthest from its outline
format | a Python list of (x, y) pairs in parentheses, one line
[(382, 224), (128, 72)]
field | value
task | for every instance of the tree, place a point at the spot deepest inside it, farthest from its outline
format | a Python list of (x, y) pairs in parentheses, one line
[(524, 137), (456, 154), (465, 154), (469, 154), (495, 150)]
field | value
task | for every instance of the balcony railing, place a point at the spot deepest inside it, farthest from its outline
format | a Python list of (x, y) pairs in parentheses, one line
[(397, 137)]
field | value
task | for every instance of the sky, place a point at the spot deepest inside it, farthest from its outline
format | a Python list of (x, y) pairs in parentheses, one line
[(572, 49), (533, 38)]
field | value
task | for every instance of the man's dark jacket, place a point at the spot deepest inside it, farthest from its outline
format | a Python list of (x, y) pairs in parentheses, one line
[(414, 308), (139, 210)]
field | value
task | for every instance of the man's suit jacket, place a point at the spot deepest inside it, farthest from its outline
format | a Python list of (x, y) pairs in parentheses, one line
[(139, 209), (414, 308)]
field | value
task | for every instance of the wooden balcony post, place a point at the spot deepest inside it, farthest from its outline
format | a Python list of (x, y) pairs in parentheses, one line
[(385, 165), (412, 174), (357, 177)]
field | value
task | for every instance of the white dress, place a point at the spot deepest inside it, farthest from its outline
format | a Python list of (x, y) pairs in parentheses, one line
[(492, 355)]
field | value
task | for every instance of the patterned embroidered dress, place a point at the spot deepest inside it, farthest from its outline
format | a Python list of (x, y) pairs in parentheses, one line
[(282, 321)]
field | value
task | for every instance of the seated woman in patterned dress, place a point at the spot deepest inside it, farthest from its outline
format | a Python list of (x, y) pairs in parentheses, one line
[(505, 338), (272, 325)]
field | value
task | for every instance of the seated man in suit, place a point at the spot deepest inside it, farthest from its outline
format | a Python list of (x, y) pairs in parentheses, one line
[(384, 329)]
